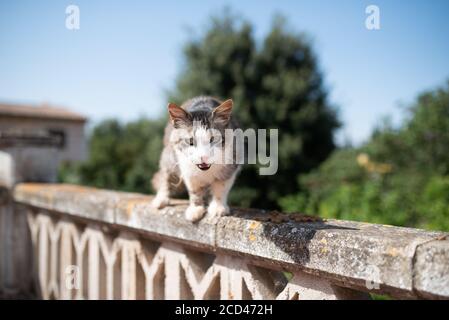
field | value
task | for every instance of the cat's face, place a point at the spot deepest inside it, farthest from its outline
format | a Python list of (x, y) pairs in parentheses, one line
[(198, 136)]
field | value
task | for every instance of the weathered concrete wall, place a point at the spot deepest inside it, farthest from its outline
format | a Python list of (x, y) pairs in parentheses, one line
[(27, 155), (402, 262), (18, 164), (17, 274), (432, 268), (7, 171), (32, 163)]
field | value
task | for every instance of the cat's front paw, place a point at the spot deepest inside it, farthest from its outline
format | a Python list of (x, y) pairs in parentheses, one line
[(160, 202), (217, 209), (195, 213)]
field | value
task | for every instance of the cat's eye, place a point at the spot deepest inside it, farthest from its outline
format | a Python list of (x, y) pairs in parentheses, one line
[(191, 141), (211, 139)]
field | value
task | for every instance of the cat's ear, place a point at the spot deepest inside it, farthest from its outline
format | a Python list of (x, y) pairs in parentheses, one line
[(178, 116), (222, 113)]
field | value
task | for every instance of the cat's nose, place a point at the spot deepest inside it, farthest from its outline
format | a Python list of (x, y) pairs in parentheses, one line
[(204, 159)]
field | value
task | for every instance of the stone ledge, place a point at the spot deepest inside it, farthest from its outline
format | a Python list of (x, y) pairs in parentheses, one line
[(431, 278), (408, 262)]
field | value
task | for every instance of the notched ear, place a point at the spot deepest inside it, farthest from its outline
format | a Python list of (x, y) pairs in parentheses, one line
[(222, 113), (178, 116)]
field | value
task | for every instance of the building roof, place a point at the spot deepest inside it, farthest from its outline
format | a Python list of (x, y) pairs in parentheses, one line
[(43, 111)]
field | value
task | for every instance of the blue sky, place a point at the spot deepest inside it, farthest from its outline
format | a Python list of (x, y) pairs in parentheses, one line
[(127, 53)]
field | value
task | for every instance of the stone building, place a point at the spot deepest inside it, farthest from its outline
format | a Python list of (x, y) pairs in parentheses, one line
[(43, 123), (35, 140)]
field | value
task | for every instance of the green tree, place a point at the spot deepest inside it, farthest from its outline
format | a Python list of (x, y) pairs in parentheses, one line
[(121, 156), (275, 85), (400, 176)]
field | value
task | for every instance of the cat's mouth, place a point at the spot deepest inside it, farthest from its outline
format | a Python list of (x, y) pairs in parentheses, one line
[(203, 166)]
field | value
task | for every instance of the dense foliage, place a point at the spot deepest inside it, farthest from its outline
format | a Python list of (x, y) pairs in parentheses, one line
[(121, 156), (400, 176)]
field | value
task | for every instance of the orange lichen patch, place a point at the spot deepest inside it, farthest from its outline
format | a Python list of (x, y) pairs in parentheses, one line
[(46, 192), (254, 224), (35, 189), (31, 187), (75, 188), (252, 237), (324, 248), (129, 204), (51, 188), (393, 252)]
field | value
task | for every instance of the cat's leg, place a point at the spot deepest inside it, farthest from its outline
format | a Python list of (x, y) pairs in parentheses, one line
[(196, 209), (219, 190), (162, 198)]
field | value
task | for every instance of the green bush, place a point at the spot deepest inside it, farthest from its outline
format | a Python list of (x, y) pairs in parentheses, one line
[(121, 156), (399, 177)]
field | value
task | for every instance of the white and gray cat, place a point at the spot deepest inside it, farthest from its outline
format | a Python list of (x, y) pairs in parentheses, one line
[(193, 138)]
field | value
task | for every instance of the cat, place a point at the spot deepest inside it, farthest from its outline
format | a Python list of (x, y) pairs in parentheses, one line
[(194, 140)]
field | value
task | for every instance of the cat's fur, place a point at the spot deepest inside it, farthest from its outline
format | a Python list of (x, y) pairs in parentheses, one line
[(185, 165)]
